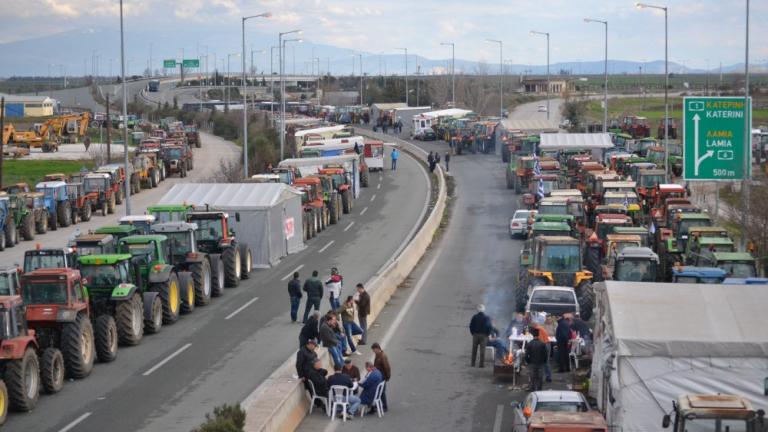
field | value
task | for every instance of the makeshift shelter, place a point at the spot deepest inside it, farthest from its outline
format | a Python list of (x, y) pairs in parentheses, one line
[(655, 342), (525, 127), (575, 141), (270, 214), (310, 165)]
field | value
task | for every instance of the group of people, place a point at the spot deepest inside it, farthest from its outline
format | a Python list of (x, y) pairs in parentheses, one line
[(386, 123), (433, 160), (335, 330), (568, 328)]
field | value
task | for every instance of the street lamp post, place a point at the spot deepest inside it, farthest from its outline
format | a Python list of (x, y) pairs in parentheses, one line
[(361, 79), (272, 82), (281, 51), (245, 95), (406, 73), (501, 75), (605, 71), (125, 113), (229, 79), (453, 71), (533, 32), (666, 84)]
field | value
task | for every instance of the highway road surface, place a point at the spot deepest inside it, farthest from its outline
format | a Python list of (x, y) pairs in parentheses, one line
[(223, 351)]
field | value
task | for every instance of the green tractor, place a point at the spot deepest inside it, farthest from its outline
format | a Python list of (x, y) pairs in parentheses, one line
[(215, 237), (150, 256), (555, 261), (117, 231), (170, 212), (115, 288)]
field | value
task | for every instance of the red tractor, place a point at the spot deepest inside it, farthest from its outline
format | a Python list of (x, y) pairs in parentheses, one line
[(98, 190), (313, 201), (671, 129), (20, 384), (637, 127)]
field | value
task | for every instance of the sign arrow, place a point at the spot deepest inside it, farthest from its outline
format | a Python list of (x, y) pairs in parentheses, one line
[(708, 154)]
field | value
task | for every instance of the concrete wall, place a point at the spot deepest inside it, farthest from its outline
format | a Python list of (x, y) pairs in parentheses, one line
[(280, 402)]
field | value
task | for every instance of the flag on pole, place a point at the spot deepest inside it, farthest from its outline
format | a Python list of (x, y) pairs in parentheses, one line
[(626, 201), (652, 229), (536, 165), (540, 192)]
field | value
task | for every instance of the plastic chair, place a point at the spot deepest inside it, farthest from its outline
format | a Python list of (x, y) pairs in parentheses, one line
[(490, 353), (377, 400), (339, 397), (573, 355), (313, 396)]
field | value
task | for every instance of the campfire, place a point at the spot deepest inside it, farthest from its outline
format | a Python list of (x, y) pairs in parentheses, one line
[(504, 367), (509, 359)]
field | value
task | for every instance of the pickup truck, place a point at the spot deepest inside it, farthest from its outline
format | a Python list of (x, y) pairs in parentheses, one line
[(554, 300)]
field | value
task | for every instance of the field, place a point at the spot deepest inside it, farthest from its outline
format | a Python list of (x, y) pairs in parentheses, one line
[(31, 171), (653, 109)]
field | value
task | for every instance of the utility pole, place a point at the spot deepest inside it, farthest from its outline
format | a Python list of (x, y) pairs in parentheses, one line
[(418, 78), (125, 113), (109, 138), (2, 127)]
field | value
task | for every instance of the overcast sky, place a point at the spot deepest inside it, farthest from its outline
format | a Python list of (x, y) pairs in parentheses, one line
[(699, 29)]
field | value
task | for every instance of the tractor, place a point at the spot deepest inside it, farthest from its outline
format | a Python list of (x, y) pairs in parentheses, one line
[(117, 178), (215, 238), (185, 257), (93, 244), (170, 212), (602, 265), (39, 257), (714, 412), (9, 281), (635, 264), (637, 127), (98, 192), (58, 311), (118, 231), (697, 275), (148, 171), (19, 365), (116, 288), (555, 261), (671, 129), (177, 159), (193, 136), (313, 203), (57, 202), (81, 206), (142, 223), (8, 233), (342, 185)]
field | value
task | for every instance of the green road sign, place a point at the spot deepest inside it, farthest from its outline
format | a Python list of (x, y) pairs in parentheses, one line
[(713, 136), (191, 63), (169, 63)]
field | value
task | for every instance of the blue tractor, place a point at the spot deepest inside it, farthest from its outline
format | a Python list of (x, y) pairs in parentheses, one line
[(698, 275), (56, 200)]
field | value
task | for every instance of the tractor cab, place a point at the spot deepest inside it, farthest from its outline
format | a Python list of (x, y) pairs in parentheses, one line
[(697, 275), (606, 222), (38, 258), (170, 212), (145, 250), (143, 223), (553, 205), (93, 244), (180, 238), (701, 250), (102, 273), (52, 295), (642, 232), (117, 231), (720, 412), (636, 264), (9, 281), (557, 229), (16, 188), (213, 230), (736, 264), (96, 183)]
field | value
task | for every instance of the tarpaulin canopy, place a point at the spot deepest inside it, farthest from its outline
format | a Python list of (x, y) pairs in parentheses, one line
[(529, 126), (450, 112), (580, 141)]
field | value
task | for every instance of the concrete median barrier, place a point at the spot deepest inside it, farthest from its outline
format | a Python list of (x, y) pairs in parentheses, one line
[(280, 402)]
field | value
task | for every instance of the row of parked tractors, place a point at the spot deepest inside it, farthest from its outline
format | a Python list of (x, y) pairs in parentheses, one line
[(71, 306), (63, 200), (616, 217)]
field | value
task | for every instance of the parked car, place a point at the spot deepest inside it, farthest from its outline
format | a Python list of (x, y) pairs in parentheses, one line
[(562, 401), (518, 224), (542, 108), (554, 300)]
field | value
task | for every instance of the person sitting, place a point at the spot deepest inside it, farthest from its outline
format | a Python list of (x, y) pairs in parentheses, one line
[(316, 375), (496, 342), (369, 384), (340, 379), (351, 370)]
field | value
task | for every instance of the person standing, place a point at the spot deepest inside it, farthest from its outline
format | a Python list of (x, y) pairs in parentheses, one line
[(394, 155), (535, 356), (563, 336), (330, 340), (480, 328), (544, 338), (314, 289), (363, 310), (381, 362), (310, 329), (430, 159), (294, 292), (334, 284), (447, 161), (347, 312)]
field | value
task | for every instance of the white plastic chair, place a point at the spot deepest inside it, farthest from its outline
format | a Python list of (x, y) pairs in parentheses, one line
[(490, 353), (377, 400), (313, 396), (573, 355), (339, 397)]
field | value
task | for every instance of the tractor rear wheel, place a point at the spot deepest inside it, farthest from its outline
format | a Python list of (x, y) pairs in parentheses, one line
[(119, 195), (111, 204), (218, 279), (128, 317), (86, 211), (170, 295), (230, 258), (28, 227), (586, 298), (52, 370), (10, 234), (592, 262), (191, 164), (155, 323), (22, 377), (152, 178), (187, 288), (106, 338), (201, 274), (246, 259), (64, 214), (53, 221), (104, 208), (77, 347), (2, 240), (3, 402), (42, 226), (346, 201), (333, 209), (159, 176)]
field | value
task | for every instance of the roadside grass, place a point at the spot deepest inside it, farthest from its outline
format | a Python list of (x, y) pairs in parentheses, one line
[(32, 171), (653, 109)]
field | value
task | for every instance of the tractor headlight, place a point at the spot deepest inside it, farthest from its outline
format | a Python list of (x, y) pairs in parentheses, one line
[(66, 315)]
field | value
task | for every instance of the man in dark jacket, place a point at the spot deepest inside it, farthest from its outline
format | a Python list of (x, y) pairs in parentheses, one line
[(311, 329), (563, 336), (381, 362), (330, 340), (317, 375), (535, 357), (363, 310), (340, 379), (305, 358), (294, 292), (314, 289), (351, 370), (480, 328)]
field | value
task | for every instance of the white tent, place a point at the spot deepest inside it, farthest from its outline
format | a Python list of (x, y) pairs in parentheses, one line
[(526, 127), (655, 342), (270, 214), (580, 141)]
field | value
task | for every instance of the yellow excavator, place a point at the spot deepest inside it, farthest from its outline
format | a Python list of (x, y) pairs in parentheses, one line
[(49, 134)]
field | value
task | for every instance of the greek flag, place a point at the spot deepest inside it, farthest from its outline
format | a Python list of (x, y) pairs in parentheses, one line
[(652, 229), (536, 165), (626, 201), (540, 192)]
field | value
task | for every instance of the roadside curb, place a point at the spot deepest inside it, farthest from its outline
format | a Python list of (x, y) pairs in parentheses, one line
[(280, 403)]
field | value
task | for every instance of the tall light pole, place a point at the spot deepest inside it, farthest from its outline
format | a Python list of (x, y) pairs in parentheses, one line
[(534, 32), (501, 75), (272, 82), (453, 71), (245, 95), (361, 79), (125, 113), (281, 49), (406, 73), (605, 71), (747, 138), (666, 84)]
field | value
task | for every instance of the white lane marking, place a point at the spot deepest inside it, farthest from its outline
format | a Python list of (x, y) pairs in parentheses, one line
[(240, 309), (326, 246), (373, 197), (292, 272), (75, 422), (378, 186), (349, 226), (499, 416), (167, 359), (362, 212)]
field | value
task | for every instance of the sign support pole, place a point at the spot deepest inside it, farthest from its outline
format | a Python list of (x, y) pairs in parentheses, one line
[(747, 142)]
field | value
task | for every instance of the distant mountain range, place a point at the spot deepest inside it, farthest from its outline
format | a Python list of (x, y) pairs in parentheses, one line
[(74, 50)]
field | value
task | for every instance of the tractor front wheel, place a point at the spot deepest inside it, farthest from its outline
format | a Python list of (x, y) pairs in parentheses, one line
[(201, 274), (586, 298), (218, 277), (86, 211), (346, 201), (106, 338), (104, 208), (52, 370), (246, 259), (23, 380), (129, 316), (77, 347), (155, 323), (3, 402), (187, 288), (28, 228), (10, 234), (230, 258), (170, 295)]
